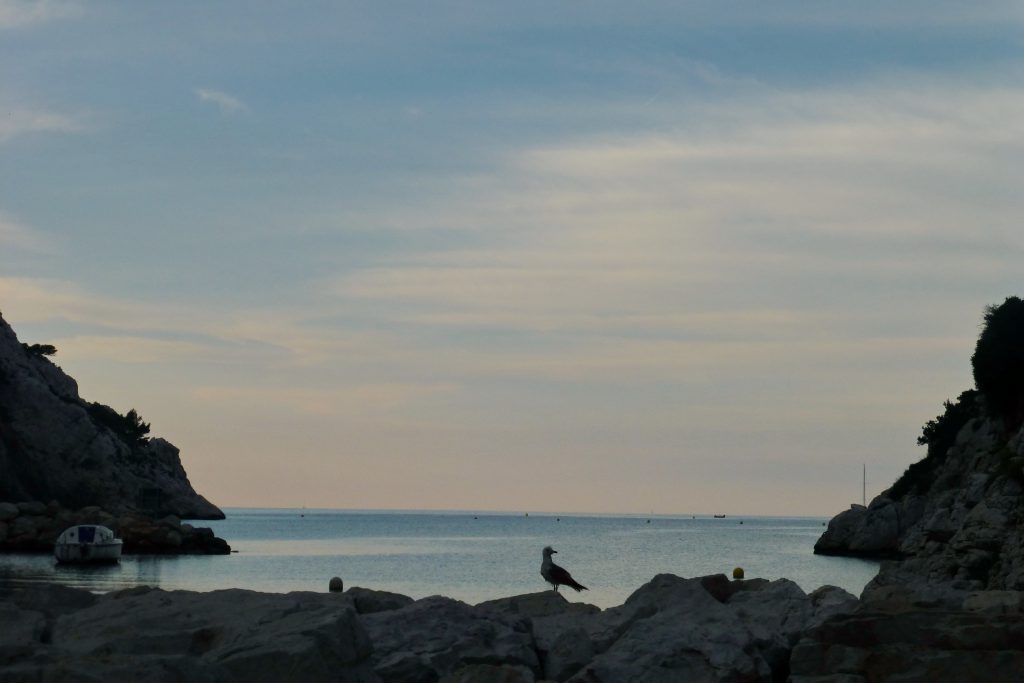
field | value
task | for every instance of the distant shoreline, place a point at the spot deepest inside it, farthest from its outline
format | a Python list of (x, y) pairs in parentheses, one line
[(521, 513)]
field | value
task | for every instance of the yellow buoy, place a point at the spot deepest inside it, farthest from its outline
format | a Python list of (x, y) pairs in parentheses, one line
[(737, 573)]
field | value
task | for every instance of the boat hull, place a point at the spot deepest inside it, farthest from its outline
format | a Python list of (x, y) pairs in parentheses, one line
[(87, 544), (88, 553)]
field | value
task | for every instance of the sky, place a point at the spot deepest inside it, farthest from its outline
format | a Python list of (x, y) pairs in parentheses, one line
[(651, 257)]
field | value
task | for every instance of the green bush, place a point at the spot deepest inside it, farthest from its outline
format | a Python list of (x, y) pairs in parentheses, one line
[(998, 361), (939, 435), (129, 427), (40, 349)]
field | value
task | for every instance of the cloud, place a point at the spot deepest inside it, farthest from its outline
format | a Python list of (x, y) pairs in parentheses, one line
[(228, 104), (15, 236), (881, 186), (18, 121), (23, 13)]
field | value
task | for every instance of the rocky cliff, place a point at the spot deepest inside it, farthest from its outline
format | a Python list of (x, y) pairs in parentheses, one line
[(54, 446), (961, 524)]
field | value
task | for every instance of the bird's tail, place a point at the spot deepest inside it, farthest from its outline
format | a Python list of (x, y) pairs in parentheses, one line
[(577, 586)]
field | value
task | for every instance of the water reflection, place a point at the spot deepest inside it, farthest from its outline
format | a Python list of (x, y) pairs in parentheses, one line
[(18, 570)]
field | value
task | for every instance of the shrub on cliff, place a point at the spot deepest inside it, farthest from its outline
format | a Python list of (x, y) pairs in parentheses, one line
[(40, 349), (129, 427), (939, 435), (998, 361)]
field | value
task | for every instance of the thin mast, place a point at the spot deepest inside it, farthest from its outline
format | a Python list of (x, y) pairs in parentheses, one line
[(864, 487)]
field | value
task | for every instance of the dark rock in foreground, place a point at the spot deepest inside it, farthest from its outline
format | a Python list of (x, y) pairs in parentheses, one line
[(934, 635), (56, 446), (671, 629)]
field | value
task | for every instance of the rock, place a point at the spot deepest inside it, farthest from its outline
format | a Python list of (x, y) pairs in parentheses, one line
[(8, 511), (32, 508), (436, 636), (888, 642), (564, 651), (994, 602), (675, 629), (21, 634), (231, 635), (335, 585), (829, 601), (966, 525), (51, 599), (368, 601), (54, 446), (670, 629), (563, 644), (541, 604), (489, 673)]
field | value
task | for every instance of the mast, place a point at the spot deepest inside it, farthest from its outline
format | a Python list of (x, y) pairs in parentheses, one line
[(864, 487)]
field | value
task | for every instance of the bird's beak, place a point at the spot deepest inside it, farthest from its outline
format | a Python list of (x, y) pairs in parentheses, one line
[(554, 551)]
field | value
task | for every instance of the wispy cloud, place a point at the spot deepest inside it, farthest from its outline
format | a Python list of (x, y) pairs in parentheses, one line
[(18, 121), (23, 13), (228, 104)]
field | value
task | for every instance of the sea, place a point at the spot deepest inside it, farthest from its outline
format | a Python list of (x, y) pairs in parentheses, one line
[(470, 556)]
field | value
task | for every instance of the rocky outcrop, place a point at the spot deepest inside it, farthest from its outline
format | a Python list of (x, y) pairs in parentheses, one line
[(146, 634), (671, 629), (34, 527), (910, 635), (56, 446), (966, 525)]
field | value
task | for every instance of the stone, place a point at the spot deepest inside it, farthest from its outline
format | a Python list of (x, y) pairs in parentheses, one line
[(829, 601), (335, 585), (8, 511), (436, 636), (229, 635), (994, 602), (32, 508), (489, 673), (889, 642), (675, 629), (21, 634), (563, 644), (368, 601)]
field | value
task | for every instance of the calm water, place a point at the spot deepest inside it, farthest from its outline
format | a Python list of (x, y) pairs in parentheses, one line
[(472, 557)]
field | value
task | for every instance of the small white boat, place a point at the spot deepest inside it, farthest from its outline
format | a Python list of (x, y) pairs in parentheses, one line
[(87, 543)]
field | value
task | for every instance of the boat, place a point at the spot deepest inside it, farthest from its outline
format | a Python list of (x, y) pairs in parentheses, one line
[(719, 516), (87, 544)]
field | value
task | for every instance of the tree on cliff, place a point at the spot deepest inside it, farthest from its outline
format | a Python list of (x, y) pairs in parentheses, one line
[(998, 361), (40, 349)]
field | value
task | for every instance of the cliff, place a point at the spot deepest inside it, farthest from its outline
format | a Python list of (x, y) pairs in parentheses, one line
[(961, 524), (54, 446)]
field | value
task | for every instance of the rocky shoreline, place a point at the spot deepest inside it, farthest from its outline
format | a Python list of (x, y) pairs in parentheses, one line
[(962, 525), (671, 629), (33, 527)]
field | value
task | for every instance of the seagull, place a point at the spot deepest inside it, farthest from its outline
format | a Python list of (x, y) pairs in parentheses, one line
[(555, 575)]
